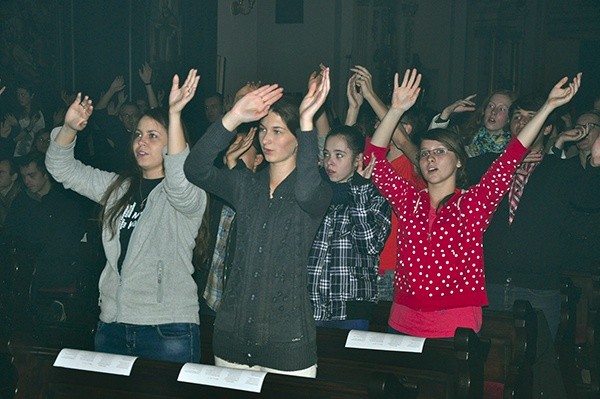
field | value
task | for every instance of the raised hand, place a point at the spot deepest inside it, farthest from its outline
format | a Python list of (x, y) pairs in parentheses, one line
[(145, 73), (79, 113), (367, 171), (355, 98), (252, 106), (364, 80), (463, 105), (121, 98), (313, 100), (5, 129), (247, 88), (12, 121), (406, 94), (560, 95), (239, 147), (180, 96), (117, 84)]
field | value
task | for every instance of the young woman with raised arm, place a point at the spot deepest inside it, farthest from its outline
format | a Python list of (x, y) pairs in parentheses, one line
[(150, 219), (265, 317), (440, 280)]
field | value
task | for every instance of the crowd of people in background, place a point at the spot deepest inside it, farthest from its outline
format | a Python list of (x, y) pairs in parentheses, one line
[(282, 219)]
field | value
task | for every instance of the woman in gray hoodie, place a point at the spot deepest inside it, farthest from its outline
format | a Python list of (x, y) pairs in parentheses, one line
[(150, 219)]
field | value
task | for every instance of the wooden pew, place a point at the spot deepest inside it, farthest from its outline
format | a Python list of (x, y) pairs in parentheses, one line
[(577, 341), (512, 337), (154, 379), (445, 369)]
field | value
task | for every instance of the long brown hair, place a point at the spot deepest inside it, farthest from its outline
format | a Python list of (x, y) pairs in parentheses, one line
[(111, 214)]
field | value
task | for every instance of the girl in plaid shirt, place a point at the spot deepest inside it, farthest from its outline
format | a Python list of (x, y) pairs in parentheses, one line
[(344, 258)]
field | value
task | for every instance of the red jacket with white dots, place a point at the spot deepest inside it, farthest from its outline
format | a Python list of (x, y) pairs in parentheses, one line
[(442, 267)]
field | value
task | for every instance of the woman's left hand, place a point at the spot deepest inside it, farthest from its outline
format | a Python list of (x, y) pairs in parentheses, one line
[(314, 99), (367, 171), (180, 96)]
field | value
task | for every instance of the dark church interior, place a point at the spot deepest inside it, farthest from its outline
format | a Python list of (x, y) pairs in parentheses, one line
[(96, 70)]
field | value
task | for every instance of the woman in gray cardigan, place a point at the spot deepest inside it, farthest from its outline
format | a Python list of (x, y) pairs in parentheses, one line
[(265, 321), (151, 217)]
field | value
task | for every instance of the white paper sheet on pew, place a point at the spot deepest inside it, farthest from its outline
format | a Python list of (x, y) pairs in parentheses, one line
[(95, 361), (384, 342), (203, 374)]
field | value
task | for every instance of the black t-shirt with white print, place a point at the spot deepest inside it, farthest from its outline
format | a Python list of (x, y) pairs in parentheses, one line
[(131, 215)]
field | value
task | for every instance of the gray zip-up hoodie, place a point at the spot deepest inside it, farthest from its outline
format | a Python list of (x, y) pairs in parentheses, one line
[(155, 285)]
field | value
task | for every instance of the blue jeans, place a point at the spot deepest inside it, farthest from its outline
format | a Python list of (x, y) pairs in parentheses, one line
[(174, 342), (502, 297), (357, 324)]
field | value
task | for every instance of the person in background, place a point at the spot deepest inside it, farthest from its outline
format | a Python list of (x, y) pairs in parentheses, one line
[(213, 107), (487, 131), (10, 186)]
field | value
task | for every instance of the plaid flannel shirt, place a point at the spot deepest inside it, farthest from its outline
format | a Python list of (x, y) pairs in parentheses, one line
[(344, 258)]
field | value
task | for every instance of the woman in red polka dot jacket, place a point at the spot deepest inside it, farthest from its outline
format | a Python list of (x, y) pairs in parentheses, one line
[(440, 282)]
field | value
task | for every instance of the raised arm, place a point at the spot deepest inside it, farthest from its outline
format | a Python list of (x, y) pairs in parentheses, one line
[(463, 105), (403, 97), (314, 100), (117, 85), (76, 120), (558, 96), (355, 100), (364, 80), (146, 75), (252, 106), (178, 99), (239, 146), (311, 192)]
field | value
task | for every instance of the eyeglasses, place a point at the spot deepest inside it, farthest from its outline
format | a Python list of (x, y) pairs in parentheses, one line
[(436, 152), (590, 125)]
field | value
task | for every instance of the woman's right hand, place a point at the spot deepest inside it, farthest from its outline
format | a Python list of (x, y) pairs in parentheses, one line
[(355, 98), (239, 147), (571, 135), (463, 105), (79, 113), (252, 106), (406, 94)]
